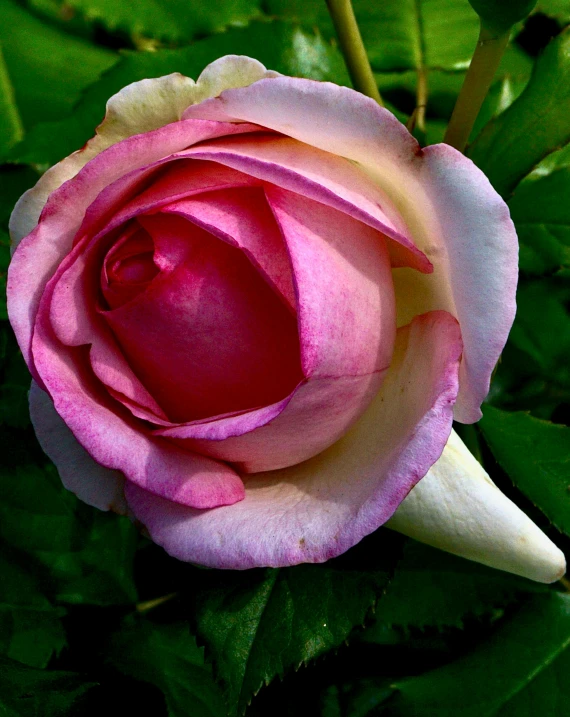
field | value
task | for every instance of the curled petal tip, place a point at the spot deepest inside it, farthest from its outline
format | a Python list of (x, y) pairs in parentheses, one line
[(457, 508)]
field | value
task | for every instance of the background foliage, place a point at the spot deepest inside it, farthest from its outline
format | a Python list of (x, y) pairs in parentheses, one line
[(93, 618)]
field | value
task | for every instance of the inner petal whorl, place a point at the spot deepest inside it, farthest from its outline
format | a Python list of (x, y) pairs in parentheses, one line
[(128, 267), (207, 335)]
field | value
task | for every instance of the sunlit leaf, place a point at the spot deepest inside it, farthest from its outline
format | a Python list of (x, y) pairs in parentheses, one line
[(533, 126)]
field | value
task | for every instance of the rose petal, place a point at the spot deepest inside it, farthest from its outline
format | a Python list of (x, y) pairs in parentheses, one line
[(243, 218), (457, 508), (318, 509), (139, 107), (111, 436), (79, 473), (454, 215), (321, 176), (40, 253), (208, 336), (346, 341)]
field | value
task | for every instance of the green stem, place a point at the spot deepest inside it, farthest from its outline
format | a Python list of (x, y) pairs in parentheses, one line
[(488, 53), (353, 49), (418, 118)]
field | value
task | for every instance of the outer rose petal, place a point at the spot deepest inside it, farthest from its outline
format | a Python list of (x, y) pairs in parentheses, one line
[(457, 508), (139, 107), (112, 437), (315, 510), (453, 213), (79, 473)]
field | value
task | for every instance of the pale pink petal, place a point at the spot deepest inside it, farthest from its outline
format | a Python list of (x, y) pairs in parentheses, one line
[(453, 214), (139, 107), (334, 181), (312, 418), (151, 187), (40, 253), (318, 509), (79, 473), (343, 281), (208, 336)]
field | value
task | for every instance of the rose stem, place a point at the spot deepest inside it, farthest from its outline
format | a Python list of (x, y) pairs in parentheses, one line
[(352, 47), (488, 53)]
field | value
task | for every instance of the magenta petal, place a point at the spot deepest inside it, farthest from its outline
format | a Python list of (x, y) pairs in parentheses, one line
[(318, 509), (242, 218), (208, 336)]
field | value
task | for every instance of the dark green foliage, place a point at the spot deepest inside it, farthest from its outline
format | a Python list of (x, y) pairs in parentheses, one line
[(521, 669), (82, 555), (94, 619), (258, 624), (534, 454), (27, 692), (166, 655)]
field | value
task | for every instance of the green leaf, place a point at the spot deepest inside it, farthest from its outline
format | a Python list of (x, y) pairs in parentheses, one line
[(30, 626), (11, 130), (522, 669), (542, 327), (533, 126), (257, 624), (28, 692), (167, 656), (178, 21), (14, 181), (48, 68), (541, 213), (280, 46), (536, 456), (400, 35), (557, 9), (82, 555), (431, 588)]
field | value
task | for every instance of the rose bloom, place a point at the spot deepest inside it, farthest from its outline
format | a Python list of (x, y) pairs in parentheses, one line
[(252, 306)]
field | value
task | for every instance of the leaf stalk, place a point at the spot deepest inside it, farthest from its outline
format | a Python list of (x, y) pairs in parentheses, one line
[(352, 47), (488, 53)]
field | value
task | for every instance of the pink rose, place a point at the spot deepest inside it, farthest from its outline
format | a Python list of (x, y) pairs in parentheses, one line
[(251, 318)]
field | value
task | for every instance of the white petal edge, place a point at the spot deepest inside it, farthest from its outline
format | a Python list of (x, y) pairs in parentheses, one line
[(93, 484), (456, 507), (139, 107)]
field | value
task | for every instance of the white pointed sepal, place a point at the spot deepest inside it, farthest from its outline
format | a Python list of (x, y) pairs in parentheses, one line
[(456, 507)]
